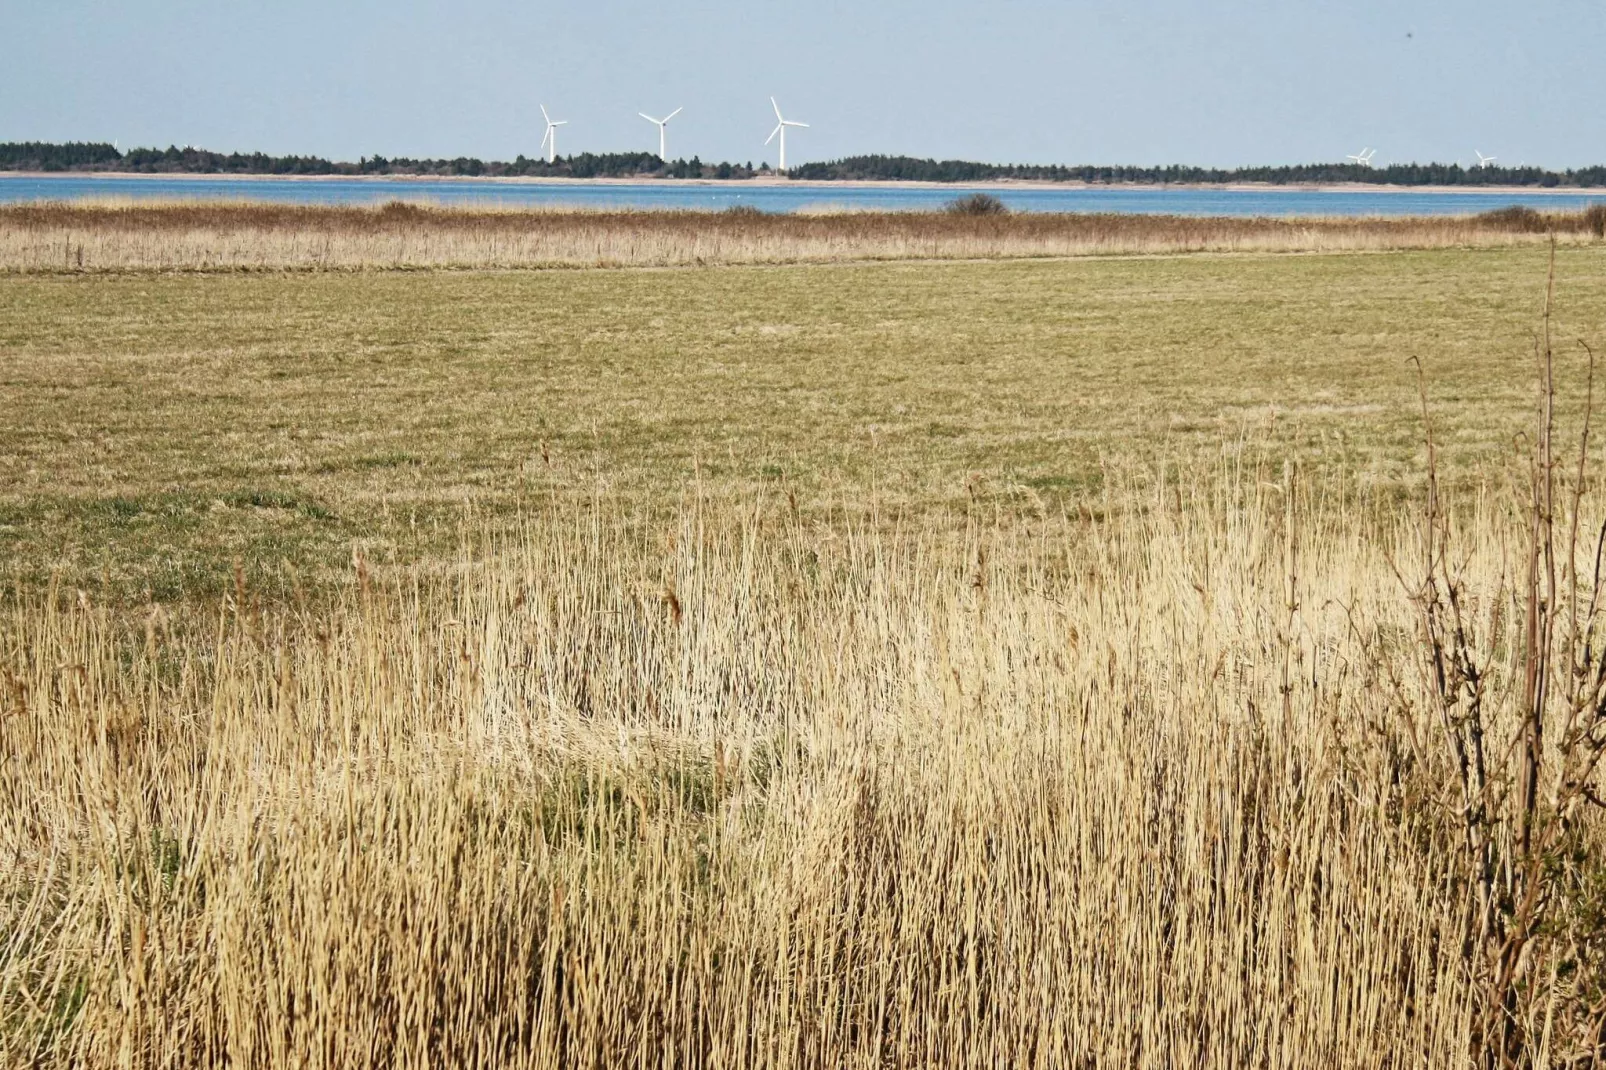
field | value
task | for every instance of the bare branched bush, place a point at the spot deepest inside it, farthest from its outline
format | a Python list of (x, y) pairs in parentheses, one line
[(1518, 678)]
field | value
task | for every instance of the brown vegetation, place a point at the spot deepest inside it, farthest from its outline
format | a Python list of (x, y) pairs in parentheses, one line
[(225, 236), (1206, 763), (1161, 789)]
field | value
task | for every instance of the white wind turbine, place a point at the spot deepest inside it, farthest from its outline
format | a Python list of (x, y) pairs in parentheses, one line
[(1364, 157), (549, 140), (780, 128), (1483, 161), (662, 125)]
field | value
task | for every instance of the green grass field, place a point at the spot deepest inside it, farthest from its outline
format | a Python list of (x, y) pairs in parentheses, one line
[(160, 427)]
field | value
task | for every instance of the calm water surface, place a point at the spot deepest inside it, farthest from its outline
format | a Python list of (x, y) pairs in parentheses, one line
[(775, 198)]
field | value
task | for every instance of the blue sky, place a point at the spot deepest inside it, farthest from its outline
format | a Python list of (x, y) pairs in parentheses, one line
[(1139, 81)]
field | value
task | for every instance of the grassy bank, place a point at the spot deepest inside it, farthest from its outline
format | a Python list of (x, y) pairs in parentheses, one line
[(226, 237)]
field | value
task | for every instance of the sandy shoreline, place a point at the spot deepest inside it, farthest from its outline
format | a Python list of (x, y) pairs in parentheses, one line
[(775, 182)]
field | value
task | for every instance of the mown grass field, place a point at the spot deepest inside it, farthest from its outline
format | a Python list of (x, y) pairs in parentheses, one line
[(159, 428)]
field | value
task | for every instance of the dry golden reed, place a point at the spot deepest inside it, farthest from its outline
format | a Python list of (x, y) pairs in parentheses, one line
[(253, 236), (1157, 789)]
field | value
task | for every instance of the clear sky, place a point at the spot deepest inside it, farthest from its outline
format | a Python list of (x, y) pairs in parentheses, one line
[(1085, 81)]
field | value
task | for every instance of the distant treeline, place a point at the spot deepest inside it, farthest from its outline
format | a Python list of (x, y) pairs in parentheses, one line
[(41, 156), (907, 168)]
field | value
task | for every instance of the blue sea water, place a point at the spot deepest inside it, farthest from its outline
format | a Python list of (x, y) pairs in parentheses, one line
[(779, 197)]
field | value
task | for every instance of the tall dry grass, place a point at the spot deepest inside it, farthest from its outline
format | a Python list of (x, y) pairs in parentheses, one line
[(1160, 788), (247, 236)]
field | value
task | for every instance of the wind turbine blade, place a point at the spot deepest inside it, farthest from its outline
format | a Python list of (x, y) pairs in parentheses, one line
[(777, 130), (777, 108), (546, 136), (544, 115), (791, 123), (674, 113), (561, 122), (647, 117)]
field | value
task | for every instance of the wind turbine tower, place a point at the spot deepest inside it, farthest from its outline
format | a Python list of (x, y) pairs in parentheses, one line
[(549, 140), (662, 125), (780, 128)]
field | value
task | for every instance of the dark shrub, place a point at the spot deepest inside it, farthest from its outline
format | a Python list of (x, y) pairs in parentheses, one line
[(1517, 218), (1595, 220), (402, 212), (984, 204)]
